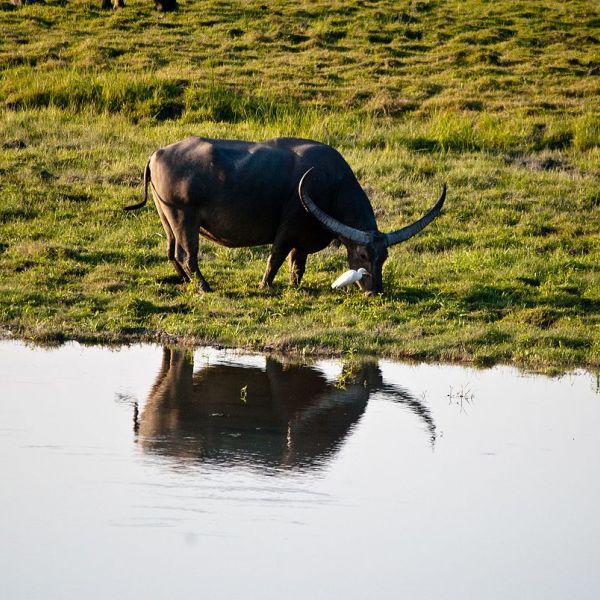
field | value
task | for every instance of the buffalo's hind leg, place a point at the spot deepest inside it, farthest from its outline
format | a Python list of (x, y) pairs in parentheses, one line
[(186, 250), (297, 264), (171, 243)]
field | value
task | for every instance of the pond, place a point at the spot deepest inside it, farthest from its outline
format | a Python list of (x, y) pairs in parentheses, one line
[(164, 473)]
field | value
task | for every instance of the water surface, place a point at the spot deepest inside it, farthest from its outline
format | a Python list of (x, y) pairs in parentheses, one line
[(150, 472)]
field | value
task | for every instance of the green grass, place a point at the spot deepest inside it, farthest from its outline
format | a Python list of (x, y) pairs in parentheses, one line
[(498, 99)]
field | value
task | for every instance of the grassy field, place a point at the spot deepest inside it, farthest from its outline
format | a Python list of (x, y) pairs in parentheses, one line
[(498, 99)]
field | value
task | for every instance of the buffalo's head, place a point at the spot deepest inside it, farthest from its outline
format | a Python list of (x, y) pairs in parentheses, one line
[(367, 249)]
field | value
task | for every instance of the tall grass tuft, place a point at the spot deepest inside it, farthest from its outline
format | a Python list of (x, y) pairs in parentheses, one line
[(587, 132), (135, 95), (223, 103)]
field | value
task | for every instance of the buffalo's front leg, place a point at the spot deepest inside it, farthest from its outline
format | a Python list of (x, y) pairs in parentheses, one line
[(278, 255), (297, 266)]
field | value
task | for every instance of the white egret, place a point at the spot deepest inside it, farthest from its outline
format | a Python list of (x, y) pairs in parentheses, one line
[(349, 277)]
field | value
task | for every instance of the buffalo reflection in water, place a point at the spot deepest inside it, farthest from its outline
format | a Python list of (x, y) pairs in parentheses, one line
[(280, 416)]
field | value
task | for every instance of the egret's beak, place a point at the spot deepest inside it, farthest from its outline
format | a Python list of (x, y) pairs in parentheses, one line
[(360, 282)]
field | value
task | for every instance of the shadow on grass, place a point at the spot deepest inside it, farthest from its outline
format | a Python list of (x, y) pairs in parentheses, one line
[(410, 295), (256, 292), (570, 343), (143, 308), (577, 303), (276, 291), (496, 298), (171, 280)]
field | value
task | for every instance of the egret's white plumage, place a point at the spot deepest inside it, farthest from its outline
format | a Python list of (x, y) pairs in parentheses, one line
[(349, 277)]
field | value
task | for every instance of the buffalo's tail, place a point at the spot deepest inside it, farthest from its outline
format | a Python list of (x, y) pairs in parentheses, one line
[(146, 182)]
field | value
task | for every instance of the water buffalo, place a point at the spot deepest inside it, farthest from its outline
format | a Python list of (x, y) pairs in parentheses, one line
[(282, 415), (295, 194)]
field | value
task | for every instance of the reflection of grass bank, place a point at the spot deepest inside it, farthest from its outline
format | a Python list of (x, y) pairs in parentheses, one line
[(500, 104)]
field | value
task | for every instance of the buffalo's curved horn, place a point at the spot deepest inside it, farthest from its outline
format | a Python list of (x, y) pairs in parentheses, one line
[(401, 235), (333, 225)]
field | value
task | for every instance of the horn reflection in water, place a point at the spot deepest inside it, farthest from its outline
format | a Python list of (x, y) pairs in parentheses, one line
[(282, 416)]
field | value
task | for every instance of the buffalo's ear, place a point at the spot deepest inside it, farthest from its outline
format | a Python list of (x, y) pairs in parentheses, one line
[(346, 242)]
